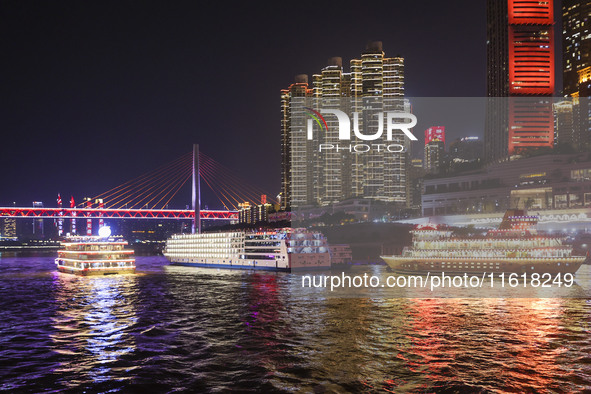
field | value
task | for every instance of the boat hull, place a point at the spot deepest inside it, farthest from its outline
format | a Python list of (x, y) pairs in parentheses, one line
[(411, 264), (232, 266), (91, 272), (297, 262)]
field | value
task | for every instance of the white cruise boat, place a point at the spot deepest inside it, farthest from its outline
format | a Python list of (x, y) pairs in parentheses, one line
[(94, 256), (276, 250)]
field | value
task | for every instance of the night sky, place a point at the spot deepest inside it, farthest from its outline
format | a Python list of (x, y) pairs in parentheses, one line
[(96, 93)]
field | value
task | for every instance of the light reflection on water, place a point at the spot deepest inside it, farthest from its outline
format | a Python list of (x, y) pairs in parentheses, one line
[(178, 328), (92, 323)]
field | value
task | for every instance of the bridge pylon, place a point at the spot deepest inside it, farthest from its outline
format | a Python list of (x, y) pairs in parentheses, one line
[(196, 191)]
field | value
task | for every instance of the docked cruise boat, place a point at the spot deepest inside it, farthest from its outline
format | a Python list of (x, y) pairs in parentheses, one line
[(95, 255), (514, 247), (284, 249)]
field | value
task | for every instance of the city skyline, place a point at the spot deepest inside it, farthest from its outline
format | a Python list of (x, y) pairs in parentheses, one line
[(109, 100), (312, 175), (318, 196), (125, 90)]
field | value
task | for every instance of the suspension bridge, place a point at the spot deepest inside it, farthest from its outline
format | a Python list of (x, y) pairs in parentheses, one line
[(148, 195)]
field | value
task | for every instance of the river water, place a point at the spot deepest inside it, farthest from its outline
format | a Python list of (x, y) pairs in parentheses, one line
[(171, 329)]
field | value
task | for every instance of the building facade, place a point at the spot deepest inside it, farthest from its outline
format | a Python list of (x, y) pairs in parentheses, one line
[(520, 65), (576, 43), (38, 224), (576, 75), (565, 121), (465, 149), (254, 213), (434, 149), (9, 228), (294, 93)]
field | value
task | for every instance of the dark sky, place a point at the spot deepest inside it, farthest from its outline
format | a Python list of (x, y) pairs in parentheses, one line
[(96, 93)]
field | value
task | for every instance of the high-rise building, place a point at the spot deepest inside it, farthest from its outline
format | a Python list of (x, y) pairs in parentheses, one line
[(497, 48), (434, 149), (565, 130), (465, 149), (416, 174), (531, 47), (497, 80), (576, 63), (373, 86), (585, 82), (531, 72), (332, 176), (464, 153), (9, 227), (38, 229), (576, 43), (294, 170), (520, 64), (254, 213), (583, 109)]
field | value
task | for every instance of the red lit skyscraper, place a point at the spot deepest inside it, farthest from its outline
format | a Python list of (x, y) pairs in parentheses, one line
[(531, 73), (434, 149), (435, 133), (531, 47), (520, 64)]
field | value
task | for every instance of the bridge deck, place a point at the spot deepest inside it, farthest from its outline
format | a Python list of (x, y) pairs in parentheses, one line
[(66, 213)]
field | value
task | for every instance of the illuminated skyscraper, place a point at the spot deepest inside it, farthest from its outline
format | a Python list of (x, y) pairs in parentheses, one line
[(520, 64), (576, 63), (384, 175), (9, 227), (583, 113), (310, 176), (576, 43), (585, 82), (531, 47), (38, 230), (434, 149), (465, 150), (289, 111), (497, 80), (565, 121), (331, 173)]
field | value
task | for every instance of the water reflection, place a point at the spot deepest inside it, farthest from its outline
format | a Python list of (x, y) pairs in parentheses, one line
[(184, 329), (266, 328), (289, 339), (464, 344), (235, 324), (92, 326)]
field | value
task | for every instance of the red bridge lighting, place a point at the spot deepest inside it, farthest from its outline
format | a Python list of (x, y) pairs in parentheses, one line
[(66, 213)]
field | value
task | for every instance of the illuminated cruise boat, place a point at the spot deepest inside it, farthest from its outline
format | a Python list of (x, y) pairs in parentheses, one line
[(514, 247), (276, 250), (95, 255)]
